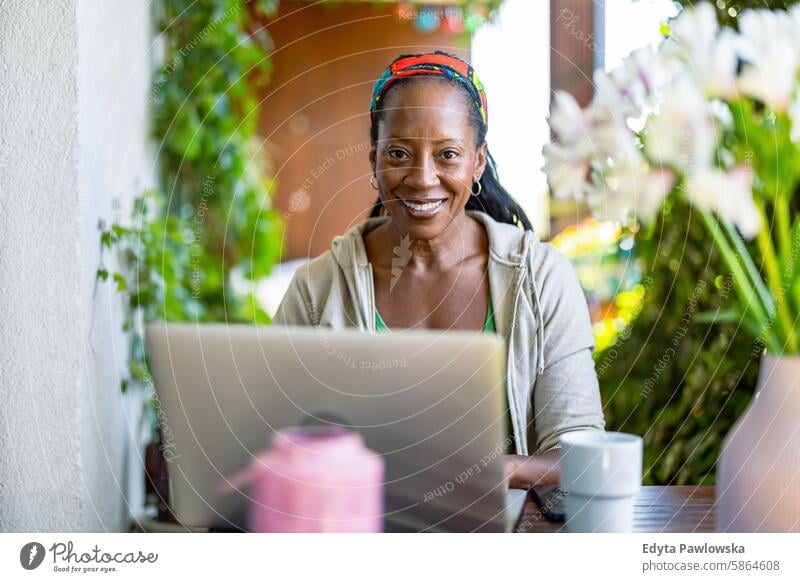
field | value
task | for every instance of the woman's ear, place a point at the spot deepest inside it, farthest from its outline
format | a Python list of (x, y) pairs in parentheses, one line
[(480, 161)]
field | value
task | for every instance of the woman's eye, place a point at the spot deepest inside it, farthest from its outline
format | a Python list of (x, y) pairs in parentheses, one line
[(397, 154), (450, 154)]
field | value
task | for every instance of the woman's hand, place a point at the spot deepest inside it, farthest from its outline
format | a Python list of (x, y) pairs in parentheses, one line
[(525, 472)]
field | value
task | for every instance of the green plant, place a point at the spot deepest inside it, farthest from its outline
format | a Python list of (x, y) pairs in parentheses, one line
[(718, 126), (675, 376), (708, 155), (212, 219)]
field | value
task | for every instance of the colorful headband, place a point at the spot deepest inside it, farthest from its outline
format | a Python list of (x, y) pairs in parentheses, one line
[(436, 63)]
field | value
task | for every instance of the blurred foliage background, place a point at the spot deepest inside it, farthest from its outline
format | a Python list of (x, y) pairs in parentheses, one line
[(210, 223), (674, 376), (684, 401)]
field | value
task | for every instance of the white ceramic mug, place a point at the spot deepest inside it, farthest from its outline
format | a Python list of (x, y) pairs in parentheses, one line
[(602, 474)]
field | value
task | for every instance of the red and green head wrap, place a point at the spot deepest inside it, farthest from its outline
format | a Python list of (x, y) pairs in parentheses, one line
[(436, 63)]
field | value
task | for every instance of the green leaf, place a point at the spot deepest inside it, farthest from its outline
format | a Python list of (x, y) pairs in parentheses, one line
[(121, 281), (717, 317), (119, 230), (107, 239)]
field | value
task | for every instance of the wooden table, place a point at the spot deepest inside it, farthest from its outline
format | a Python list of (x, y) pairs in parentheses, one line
[(676, 509)]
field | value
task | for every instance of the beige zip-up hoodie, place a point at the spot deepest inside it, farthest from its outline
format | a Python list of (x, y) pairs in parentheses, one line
[(539, 308)]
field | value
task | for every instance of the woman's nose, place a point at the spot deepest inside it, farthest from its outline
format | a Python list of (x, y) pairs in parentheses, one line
[(423, 174)]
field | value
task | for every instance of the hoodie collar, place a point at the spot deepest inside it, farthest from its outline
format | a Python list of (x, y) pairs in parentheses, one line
[(506, 241)]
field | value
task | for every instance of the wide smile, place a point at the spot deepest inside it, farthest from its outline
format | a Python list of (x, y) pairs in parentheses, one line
[(422, 210)]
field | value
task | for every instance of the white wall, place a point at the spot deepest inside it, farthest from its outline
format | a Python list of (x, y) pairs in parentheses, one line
[(74, 79), (40, 283), (115, 164)]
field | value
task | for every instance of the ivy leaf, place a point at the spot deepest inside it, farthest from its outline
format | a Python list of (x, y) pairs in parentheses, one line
[(107, 239), (140, 207), (102, 274), (121, 281), (119, 230)]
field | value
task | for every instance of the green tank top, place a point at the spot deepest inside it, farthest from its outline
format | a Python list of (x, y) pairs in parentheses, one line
[(488, 327)]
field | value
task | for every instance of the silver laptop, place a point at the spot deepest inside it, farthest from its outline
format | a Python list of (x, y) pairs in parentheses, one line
[(430, 403)]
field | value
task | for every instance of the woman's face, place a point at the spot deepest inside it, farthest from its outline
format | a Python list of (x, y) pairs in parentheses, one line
[(426, 156)]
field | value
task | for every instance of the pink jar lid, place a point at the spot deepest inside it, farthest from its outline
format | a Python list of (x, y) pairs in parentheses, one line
[(317, 447), (328, 440)]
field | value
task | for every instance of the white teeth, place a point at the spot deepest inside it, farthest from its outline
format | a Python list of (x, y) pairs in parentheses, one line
[(423, 207)]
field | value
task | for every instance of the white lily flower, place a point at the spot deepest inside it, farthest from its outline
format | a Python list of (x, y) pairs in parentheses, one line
[(631, 89), (694, 29), (611, 103), (651, 192), (606, 205), (768, 82), (711, 55), (629, 94), (566, 172), (570, 124), (728, 194), (682, 134), (718, 69), (618, 144), (631, 190), (644, 73), (769, 45)]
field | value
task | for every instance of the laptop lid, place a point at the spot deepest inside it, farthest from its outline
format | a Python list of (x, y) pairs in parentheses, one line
[(429, 402)]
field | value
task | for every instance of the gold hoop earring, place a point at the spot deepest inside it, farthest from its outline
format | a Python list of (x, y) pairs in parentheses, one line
[(472, 189), (373, 183)]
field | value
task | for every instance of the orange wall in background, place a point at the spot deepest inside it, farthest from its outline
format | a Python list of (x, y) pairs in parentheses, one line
[(315, 112)]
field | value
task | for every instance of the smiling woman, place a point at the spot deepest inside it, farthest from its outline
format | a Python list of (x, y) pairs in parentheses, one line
[(447, 248)]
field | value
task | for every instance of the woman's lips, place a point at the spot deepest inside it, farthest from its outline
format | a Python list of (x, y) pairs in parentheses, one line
[(425, 210)]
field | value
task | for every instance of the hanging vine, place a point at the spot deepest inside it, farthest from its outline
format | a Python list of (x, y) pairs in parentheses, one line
[(211, 221)]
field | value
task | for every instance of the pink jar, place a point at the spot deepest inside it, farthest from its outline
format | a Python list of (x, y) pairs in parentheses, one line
[(316, 479)]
